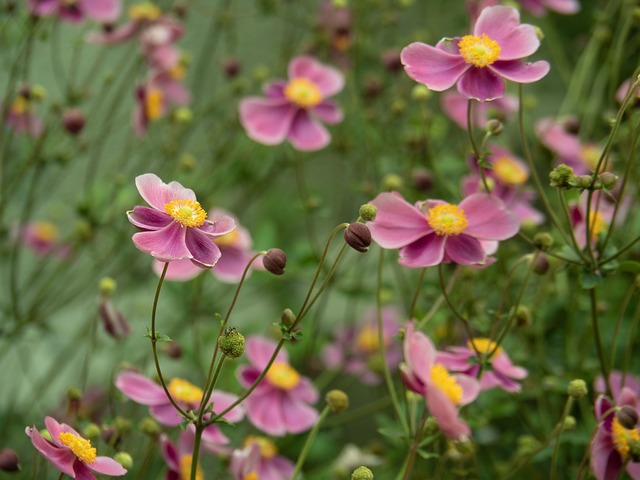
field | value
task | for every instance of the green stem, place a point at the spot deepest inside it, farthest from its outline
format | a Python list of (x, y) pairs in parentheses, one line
[(438, 303), (196, 451), (414, 446), (623, 307), (556, 449), (478, 154), (412, 309), (307, 445), (604, 367)]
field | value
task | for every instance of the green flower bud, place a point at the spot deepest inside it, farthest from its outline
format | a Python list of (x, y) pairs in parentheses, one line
[(288, 317), (91, 431), (124, 459), (74, 394), (523, 316), (608, 180), (231, 342), (392, 182), (543, 240), (107, 286), (583, 181), (368, 212), (45, 434), (561, 177), (362, 473), (420, 92), (569, 422), (337, 400), (182, 115), (577, 389), (494, 127), (122, 425), (149, 426)]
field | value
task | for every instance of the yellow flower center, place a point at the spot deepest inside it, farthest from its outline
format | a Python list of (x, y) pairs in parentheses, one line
[(186, 461), (622, 437), (188, 213), (268, 449), (596, 223), (484, 346), (183, 391), (590, 154), (252, 475), (145, 11), (441, 378), (509, 171), (20, 105), (283, 375), (303, 93), (153, 102), (80, 447), (479, 51), (367, 340), (45, 231), (447, 219), (227, 239)]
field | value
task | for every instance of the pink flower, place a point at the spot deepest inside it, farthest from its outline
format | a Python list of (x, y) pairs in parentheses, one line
[(179, 458), (600, 216), (145, 391), (444, 393), (71, 454), (22, 117), (498, 371), (555, 135), (356, 349), (477, 63), (292, 110), (260, 458), (75, 11), (112, 319), (623, 89), (540, 7), (454, 105), (280, 403), (432, 231), (44, 239), (235, 248), (175, 227)]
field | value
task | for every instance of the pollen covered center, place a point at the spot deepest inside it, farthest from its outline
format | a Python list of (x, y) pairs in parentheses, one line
[(303, 93), (184, 391), (509, 171), (153, 102), (187, 213), (447, 219), (479, 50), (367, 340), (484, 346), (80, 447), (145, 11), (268, 449), (185, 468), (283, 375), (441, 379), (622, 438)]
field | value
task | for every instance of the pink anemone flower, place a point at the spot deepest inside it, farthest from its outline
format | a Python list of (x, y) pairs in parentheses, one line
[(43, 238), (280, 404), (75, 11), (477, 63), (432, 231), (179, 458), (22, 117), (498, 372), (539, 8), (259, 459), (454, 105), (444, 393), (71, 454), (600, 216), (293, 110), (175, 227), (145, 391)]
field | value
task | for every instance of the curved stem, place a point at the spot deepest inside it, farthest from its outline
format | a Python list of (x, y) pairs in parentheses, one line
[(308, 443), (556, 448), (412, 309), (479, 155), (414, 446)]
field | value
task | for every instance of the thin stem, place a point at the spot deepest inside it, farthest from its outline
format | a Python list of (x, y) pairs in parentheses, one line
[(196, 452), (307, 445), (438, 303), (412, 309), (478, 154), (604, 367), (414, 446), (623, 307), (556, 449)]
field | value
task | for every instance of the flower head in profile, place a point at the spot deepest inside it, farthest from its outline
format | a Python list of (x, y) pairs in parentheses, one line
[(71, 454), (561, 139), (259, 460), (280, 404), (179, 458), (293, 110), (43, 237), (479, 62), (433, 231), (176, 226), (498, 371), (75, 11), (444, 392)]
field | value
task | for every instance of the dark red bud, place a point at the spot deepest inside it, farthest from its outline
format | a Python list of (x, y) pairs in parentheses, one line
[(9, 461), (73, 121), (358, 237), (274, 261)]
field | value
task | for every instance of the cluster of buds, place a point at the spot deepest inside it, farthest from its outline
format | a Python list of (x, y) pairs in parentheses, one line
[(564, 178)]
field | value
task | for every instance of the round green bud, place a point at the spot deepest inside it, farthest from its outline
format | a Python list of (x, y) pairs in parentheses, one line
[(543, 240), (577, 389), (107, 286), (430, 426), (288, 317), (368, 212), (494, 127), (608, 180), (91, 431), (182, 115), (261, 73), (523, 316), (583, 181), (231, 343), (149, 426), (561, 176), (527, 444), (124, 459), (569, 422), (392, 182), (337, 400), (187, 162), (340, 3), (38, 92), (122, 425), (420, 92), (74, 394), (362, 473)]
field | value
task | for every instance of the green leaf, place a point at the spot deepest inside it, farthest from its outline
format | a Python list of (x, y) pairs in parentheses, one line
[(629, 266), (163, 338), (427, 455), (589, 280)]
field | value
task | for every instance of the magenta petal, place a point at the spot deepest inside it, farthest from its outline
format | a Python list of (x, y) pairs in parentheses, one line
[(425, 252), (605, 460), (166, 414), (432, 66), (178, 270), (265, 412), (107, 466), (259, 351), (397, 223), (275, 90), (464, 250), (298, 416), (157, 193), (222, 400), (60, 457), (203, 251), (328, 79), (169, 453), (105, 11), (481, 84), (307, 134), (502, 24), (446, 414), (166, 245), (488, 218), (328, 112), (146, 218), (266, 121), (141, 389), (82, 472), (520, 72), (212, 437)]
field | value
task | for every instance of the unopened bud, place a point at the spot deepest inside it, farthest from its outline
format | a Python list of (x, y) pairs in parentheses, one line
[(149, 426), (38, 92), (368, 212), (577, 389), (362, 473), (288, 317), (541, 264), (107, 286), (231, 343), (571, 125), (187, 162), (122, 425), (583, 181), (569, 423), (91, 431), (74, 394), (391, 60), (182, 115), (358, 236), (494, 127), (523, 316), (543, 240), (337, 400), (627, 416), (392, 182), (231, 67), (124, 459), (561, 176), (274, 261), (420, 93), (73, 121), (9, 460), (114, 322), (422, 179), (608, 180)]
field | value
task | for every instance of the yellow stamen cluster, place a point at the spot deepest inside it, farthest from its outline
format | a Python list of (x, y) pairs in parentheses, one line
[(46, 232), (186, 461), (596, 223), (441, 379), (227, 239), (447, 219), (184, 391), (484, 346), (145, 11), (188, 213), (20, 105), (268, 449), (622, 437), (303, 93), (509, 171), (283, 375), (479, 50), (153, 103), (81, 447), (367, 340), (252, 475)]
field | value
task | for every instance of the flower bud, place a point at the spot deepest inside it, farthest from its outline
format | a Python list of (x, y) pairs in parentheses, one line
[(392, 182), (583, 181), (107, 286), (149, 426), (422, 179), (187, 162), (494, 127), (571, 125), (337, 400), (569, 423), (231, 342), (274, 261), (541, 265), (172, 349), (627, 416), (182, 115), (122, 425), (124, 459), (523, 316), (372, 87), (543, 241), (113, 321), (362, 473), (287, 317), (73, 121), (561, 176), (91, 431), (391, 60), (358, 237), (577, 389), (231, 67), (608, 180), (368, 212), (9, 460), (420, 93), (74, 394)]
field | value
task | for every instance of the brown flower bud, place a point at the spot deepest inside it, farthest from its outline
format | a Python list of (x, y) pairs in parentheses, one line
[(541, 265), (422, 179), (627, 416), (9, 461), (73, 121), (358, 237), (274, 261), (231, 67), (391, 60)]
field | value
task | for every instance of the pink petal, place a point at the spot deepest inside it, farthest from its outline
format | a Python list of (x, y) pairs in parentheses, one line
[(432, 66), (218, 224), (307, 133), (305, 391), (488, 218), (105, 11), (141, 389), (606, 462), (212, 438), (328, 112), (502, 24), (166, 245), (167, 414), (502, 364), (265, 412), (221, 400), (82, 472), (169, 452), (178, 270), (446, 414), (259, 350), (55, 429), (107, 466), (425, 252), (397, 223), (275, 90), (231, 265), (553, 135), (298, 416), (157, 193), (147, 218), (464, 250), (419, 353), (43, 7), (61, 458), (520, 72), (455, 106), (204, 252), (481, 84), (470, 388), (266, 121), (328, 79)]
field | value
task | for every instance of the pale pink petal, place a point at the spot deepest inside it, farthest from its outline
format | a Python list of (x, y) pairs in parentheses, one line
[(481, 84), (60, 457), (43, 7), (166, 414), (157, 193), (464, 250), (432, 66), (307, 133), (328, 79), (520, 72), (146, 218), (212, 437), (627, 397), (305, 391), (633, 469), (55, 429), (298, 416), (455, 106), (502, 364), (259, 350), (328, 112), (218, 224), (488, 218), (105, 11), (446, 414), (167, 244), (266, 121), (265, 412), (107, 466), (502, 24), (397, 223), (141, 389), (203, 252), (221, 400), (425, 252), (231, 265), (178, 270), (419, 353), (470, 388)]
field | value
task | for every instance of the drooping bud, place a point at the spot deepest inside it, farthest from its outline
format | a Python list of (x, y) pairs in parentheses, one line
[(275, 261), (523, 316), (608, 180), (362, 473), (562, 177), (541, 264), (9, 460), (73, 121), (231, 343), (337, 400), (113, 321), (172, 349), (288, 317), (577, 389), (627, 416), (124, 459), (368, 212), (358, 236), (543, 240), (494, 127)]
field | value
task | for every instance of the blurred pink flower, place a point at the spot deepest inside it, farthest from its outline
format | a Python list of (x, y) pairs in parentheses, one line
[(259, 457), (75, 11), (498, 371), (112, 319), (432, 231), (444, 393), (43, 238), (539, 8), (179, 458), (600, 216), (454, 105), (175, 227), (623, 89), (71, 454), (280, 403), (22, 118), (477, 63), (293, 110), (356, 349)]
